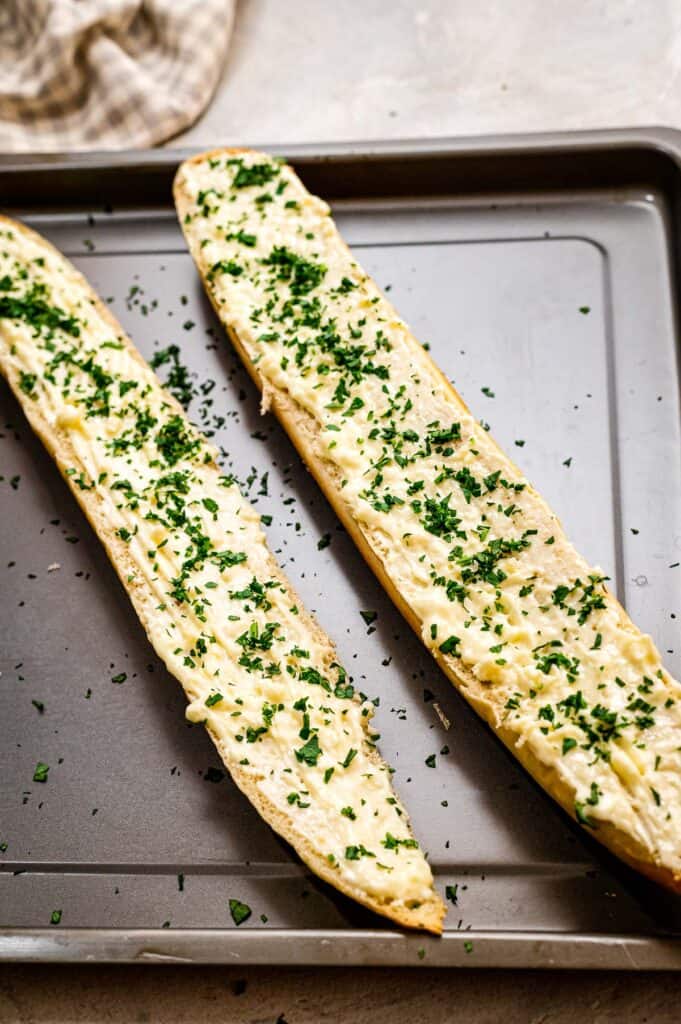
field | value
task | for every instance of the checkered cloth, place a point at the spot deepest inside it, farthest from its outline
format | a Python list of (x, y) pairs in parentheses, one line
[(106, 74)]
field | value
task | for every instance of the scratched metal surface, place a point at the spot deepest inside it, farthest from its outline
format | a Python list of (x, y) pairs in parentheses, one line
[(137, 837)]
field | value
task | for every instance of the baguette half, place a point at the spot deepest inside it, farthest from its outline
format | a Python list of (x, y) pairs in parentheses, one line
[(256, 668), (472, 556)]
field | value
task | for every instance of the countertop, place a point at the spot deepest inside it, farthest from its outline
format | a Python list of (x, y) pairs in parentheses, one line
[(229, 995), (307, 71)]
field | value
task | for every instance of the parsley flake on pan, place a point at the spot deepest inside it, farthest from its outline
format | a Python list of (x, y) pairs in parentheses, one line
[(240, 911)]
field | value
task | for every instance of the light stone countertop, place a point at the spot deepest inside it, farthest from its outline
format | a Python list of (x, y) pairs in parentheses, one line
[(347, 70), (341, 70)]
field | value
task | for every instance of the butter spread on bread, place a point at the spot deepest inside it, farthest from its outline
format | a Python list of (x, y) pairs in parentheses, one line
[(472, 555), (190, 551)]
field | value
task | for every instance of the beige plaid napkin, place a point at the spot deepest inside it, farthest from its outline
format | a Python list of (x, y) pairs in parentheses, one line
[(106, 74)]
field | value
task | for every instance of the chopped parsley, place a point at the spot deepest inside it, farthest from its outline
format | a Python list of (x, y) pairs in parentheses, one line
[(310, 752), (302, 275), (250, 176), (240, 911)]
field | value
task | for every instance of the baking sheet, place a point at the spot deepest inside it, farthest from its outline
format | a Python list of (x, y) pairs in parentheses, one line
[(541, 270)]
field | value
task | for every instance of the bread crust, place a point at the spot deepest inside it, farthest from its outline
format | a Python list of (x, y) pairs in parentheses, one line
[(302, 429), (429, 915)]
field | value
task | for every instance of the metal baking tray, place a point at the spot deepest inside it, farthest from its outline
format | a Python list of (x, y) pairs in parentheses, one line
[(542, 269)]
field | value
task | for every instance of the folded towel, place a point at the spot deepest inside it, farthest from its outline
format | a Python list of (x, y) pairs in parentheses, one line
[(106, 74)]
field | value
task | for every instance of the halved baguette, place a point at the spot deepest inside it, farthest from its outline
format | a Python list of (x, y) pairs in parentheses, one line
[(470, 553), (191, 554)]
